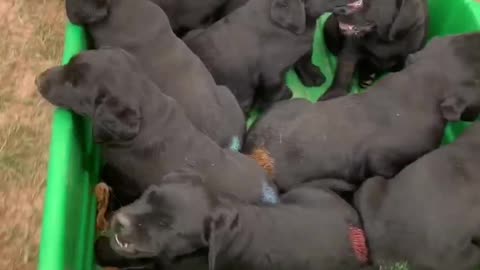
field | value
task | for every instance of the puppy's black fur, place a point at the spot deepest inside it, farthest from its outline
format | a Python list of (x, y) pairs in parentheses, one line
[(372, 40), (106, 256), (427, 215), (142, 28), (184, 15), (251, 49), (229, 7), (378, 132), (309, 229), (144, 133)]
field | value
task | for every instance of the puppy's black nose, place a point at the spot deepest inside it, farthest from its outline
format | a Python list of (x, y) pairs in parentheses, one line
[(121, 224), (341, 10), (40, 81)]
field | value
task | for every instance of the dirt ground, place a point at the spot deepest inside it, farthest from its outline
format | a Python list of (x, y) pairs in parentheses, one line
[(31, 39)]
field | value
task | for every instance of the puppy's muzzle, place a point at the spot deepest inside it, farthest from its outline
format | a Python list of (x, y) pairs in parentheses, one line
[(355, 30), (43, 82), (121, 228)]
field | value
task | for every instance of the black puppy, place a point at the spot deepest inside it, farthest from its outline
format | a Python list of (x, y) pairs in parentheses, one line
[(374, 133), (184, 15), (428, 215), (312, 228), (231, 6), (106, 256), (144, 133), (251, 49), (373, 38), (142, 28)]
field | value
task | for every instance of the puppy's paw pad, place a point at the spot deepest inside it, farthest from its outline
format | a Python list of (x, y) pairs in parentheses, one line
[(367, 82), (102, 193)]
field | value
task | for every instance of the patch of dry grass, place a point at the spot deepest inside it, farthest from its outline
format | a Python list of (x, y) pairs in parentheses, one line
[(31, 37)]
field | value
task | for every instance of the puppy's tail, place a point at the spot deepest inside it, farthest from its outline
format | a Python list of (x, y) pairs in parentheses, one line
[(264, 159)]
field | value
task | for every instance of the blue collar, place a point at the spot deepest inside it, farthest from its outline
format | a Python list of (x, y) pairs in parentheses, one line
[(269, 194)]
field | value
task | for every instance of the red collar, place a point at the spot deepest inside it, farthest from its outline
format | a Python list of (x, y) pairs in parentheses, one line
[(359, 244)]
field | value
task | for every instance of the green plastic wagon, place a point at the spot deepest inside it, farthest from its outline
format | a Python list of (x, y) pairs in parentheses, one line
[(68, 230)]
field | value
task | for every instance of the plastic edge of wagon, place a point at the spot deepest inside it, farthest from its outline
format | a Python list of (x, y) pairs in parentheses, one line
[(68, 228)]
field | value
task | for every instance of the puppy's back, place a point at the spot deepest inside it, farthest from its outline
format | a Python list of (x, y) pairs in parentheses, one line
[(315, 219), (142, 28), (428, 214)]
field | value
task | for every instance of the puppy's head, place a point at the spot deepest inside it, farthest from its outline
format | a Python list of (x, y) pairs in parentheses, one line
[(455, 62), (83, 12), (101, 85), (167, 221), (352, 20), (293, 14)]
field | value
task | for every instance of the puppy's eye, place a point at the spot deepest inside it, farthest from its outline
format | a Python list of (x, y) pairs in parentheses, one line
[(70, 78), (74, 74), (163, 223)]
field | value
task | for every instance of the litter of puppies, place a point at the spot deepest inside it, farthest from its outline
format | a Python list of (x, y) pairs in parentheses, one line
[(348, 182)]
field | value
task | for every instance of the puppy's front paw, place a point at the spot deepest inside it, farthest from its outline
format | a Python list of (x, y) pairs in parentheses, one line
[(102, 193), (367, 81), (310, 75)]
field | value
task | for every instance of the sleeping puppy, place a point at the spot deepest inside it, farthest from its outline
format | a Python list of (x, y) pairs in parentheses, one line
[(184, 15), (312, 228), (230, 6), (251, 49), (144, 133), (142, 28), (106, 256), (373, 37), (378, 132), (428, 215)]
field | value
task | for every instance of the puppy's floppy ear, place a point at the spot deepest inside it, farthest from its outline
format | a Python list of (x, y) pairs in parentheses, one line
[(452, 108), (289, 14), (217, 226), (114, 120), (184, 174), (406, 18), (370, 196)]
